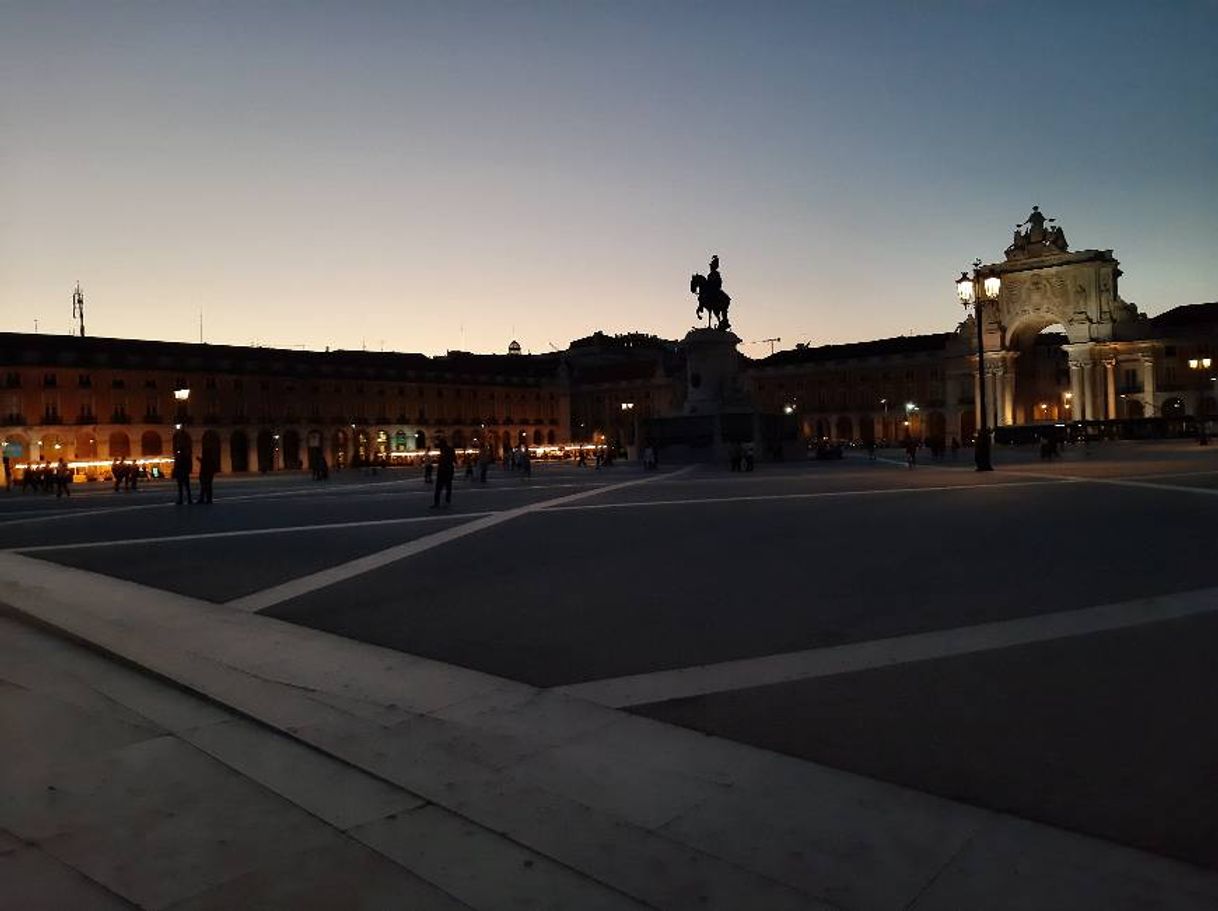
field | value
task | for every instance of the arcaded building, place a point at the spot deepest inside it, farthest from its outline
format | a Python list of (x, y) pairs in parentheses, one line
[(1061, 345), (100, 399)]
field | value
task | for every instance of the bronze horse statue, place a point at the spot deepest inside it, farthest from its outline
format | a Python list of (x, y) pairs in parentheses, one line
[(711, 298)]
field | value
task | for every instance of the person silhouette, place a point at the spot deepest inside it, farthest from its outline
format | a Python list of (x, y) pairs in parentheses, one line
[(445, 469)]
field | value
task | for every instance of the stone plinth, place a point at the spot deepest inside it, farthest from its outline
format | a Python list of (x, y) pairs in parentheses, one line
[(713, 372)]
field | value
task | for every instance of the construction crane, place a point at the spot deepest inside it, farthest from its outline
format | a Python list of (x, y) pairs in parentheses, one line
[(767, 341)]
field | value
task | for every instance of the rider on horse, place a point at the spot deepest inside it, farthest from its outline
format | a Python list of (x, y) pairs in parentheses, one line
[(711, 296)]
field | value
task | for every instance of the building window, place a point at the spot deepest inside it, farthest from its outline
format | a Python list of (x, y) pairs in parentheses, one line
[(84, 381), (49, 380)]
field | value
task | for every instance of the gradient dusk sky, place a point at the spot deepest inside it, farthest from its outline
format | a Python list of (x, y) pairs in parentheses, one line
[(425, 176)]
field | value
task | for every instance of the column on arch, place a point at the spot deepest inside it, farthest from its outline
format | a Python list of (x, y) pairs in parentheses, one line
[(1088, 409), (1148, 384), (1110, 398), (1008, 387)]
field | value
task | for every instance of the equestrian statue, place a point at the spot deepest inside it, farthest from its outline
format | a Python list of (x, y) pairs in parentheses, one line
[(711, 296)]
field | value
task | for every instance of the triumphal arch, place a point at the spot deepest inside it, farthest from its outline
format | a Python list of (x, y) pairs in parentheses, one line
[(1044, 284)]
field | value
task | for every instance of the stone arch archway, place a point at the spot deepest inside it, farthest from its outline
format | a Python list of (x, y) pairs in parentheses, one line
[(867, 428), (1043, 284), (209, 448), (239, 451), (86, 445), (119, 445), (151, 444), (291, 449)]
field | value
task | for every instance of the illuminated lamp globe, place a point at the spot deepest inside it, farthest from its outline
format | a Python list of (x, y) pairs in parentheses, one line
[(965, 290)]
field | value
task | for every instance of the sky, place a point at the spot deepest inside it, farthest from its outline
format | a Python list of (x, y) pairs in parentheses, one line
[(449, 175)]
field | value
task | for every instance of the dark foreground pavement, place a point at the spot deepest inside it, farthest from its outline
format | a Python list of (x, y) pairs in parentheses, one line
[(1100, 730)]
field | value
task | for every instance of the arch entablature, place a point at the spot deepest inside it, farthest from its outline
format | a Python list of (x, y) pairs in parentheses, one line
[(1078, 294)]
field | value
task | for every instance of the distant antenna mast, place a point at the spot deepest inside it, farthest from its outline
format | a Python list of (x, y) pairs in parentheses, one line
[(78, 308), (769, 341)]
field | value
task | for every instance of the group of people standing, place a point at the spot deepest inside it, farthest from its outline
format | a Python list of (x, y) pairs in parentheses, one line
[(443, 468), (209, 466), (43, 477)]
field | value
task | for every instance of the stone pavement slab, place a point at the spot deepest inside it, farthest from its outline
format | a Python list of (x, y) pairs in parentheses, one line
[(476, 747), (33, 880), (346, 875), (223, 814)]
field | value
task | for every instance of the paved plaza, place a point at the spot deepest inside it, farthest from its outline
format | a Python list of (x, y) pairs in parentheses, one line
[(926, 688)]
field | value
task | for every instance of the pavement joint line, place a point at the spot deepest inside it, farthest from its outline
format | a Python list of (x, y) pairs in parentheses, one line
[(1147, 485), (80, 513), (243, 532), (69, 513), (303, 585), (875, 654), (811, 495), (1129, 481)]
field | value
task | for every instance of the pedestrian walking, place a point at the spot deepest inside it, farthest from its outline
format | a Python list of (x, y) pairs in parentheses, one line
[(8, 473), (955, 449), (181, 474), (207, 474), (63, 480), (428, 468), (911, 451), (444, 474)]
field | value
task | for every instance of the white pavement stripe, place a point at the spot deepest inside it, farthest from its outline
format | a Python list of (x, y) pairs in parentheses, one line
[(743, 498), (1143, 480), (1147, 485), (305, 584), (85, 514), (246, 532), (727, 676)]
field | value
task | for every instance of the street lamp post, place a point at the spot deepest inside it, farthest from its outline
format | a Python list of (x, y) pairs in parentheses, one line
[(628, 407), (1201, 366), (975, 290)]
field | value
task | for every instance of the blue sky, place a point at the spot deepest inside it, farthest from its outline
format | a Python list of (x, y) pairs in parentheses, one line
[(426, 176)]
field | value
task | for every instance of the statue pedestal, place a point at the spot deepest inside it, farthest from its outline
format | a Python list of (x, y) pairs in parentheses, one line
[(718, 414), (712, 372)]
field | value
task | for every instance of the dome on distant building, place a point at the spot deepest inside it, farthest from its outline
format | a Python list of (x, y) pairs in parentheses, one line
[(514, 348)]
